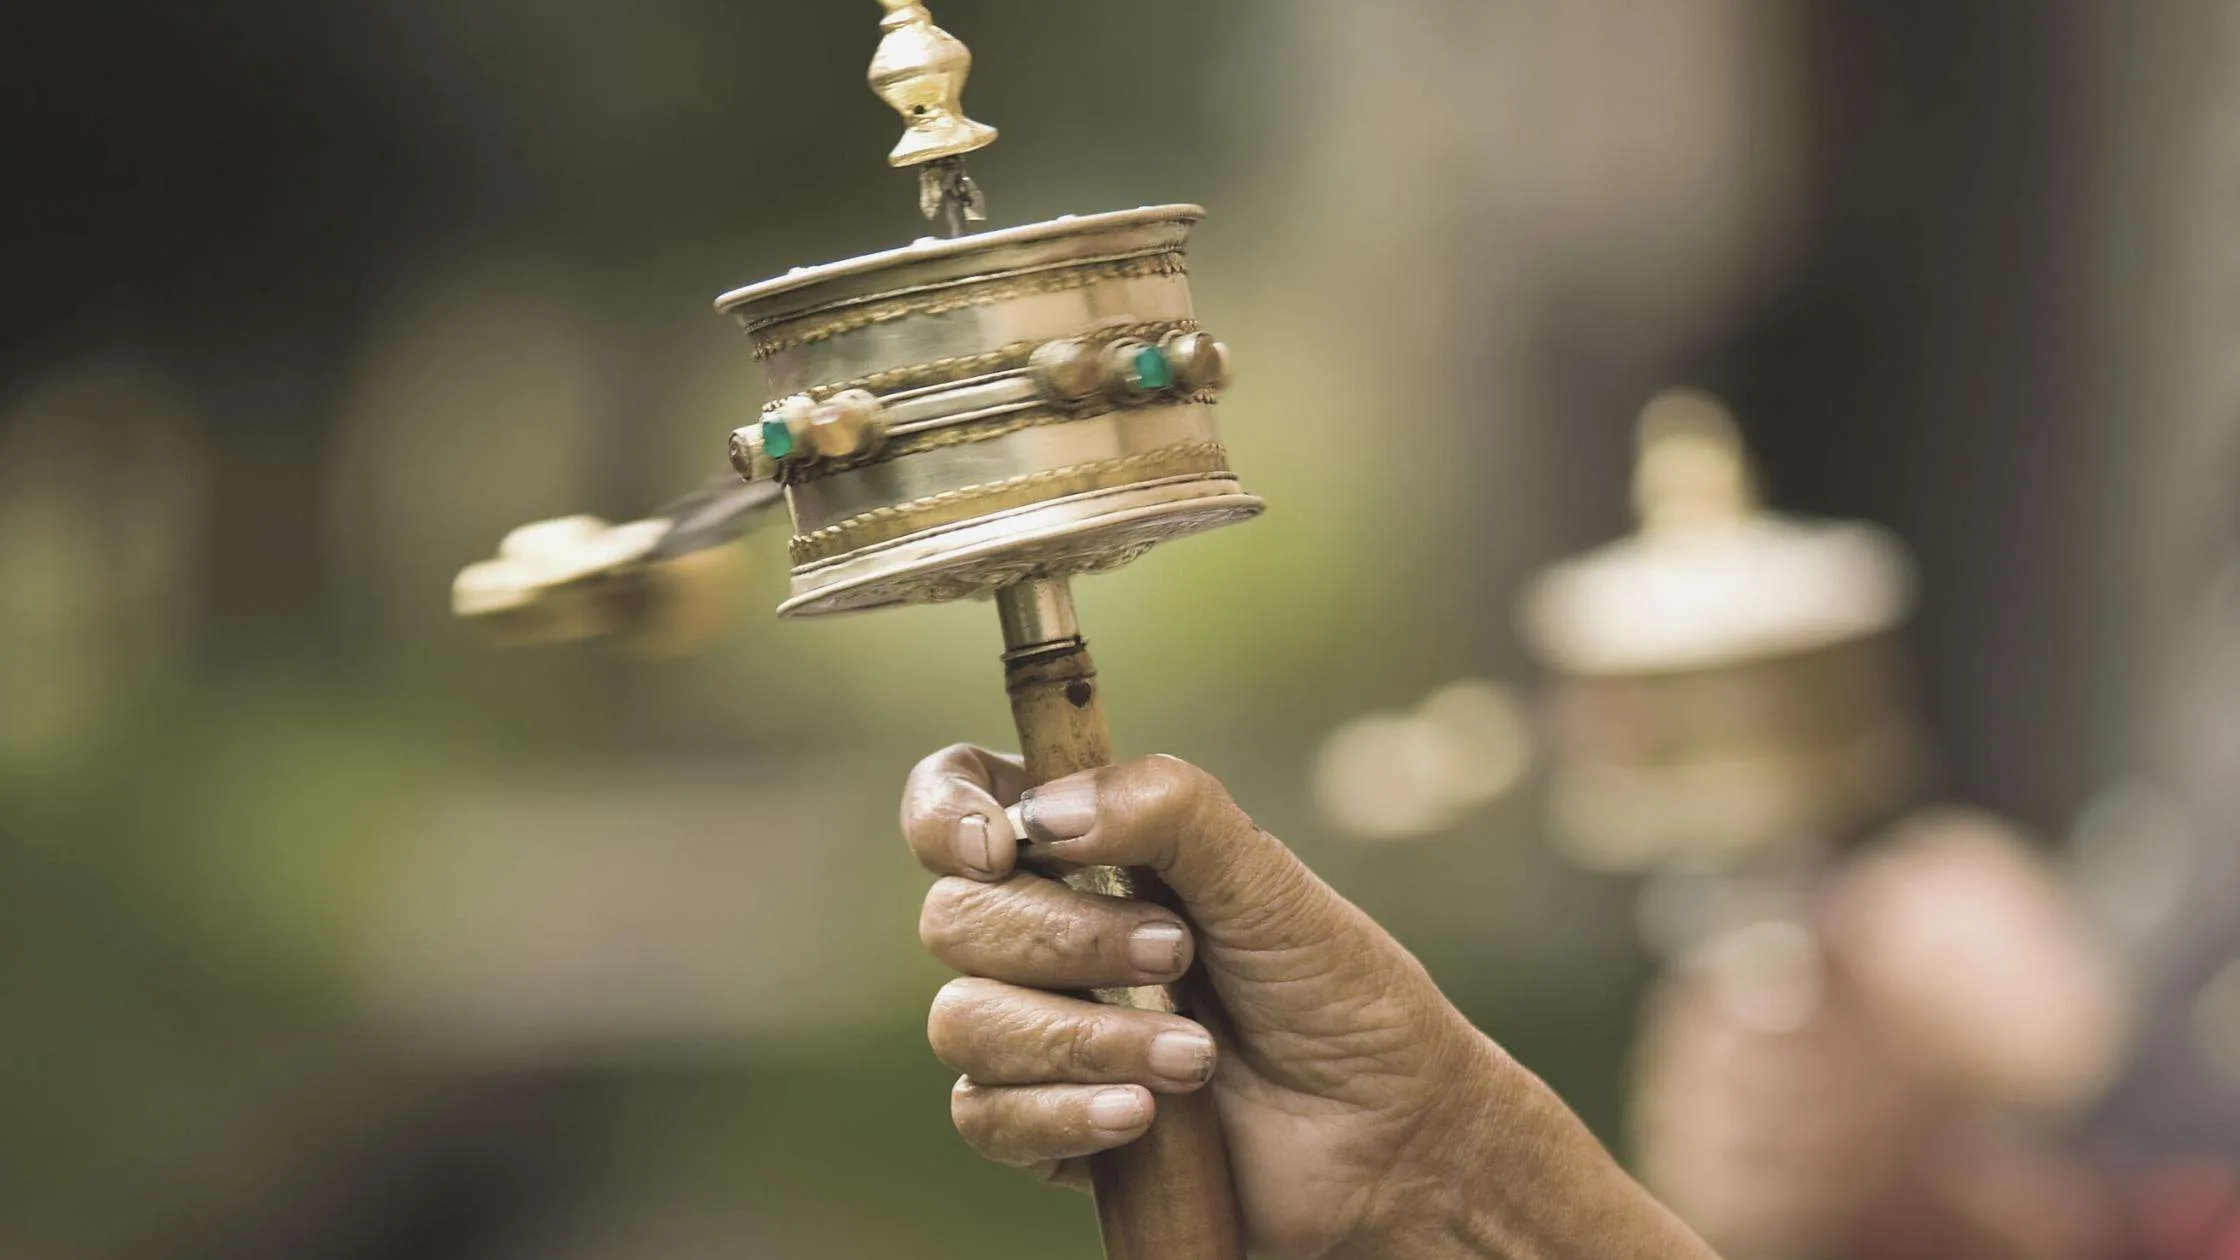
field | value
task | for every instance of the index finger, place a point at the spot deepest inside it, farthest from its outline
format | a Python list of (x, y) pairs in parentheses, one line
[(952, 812)]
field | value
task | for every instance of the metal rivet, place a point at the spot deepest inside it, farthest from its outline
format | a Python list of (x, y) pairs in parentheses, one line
[(746, 451), (1067, 371), (849, 424), (1200, 362)]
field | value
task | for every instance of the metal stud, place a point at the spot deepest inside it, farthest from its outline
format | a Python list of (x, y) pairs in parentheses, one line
[(746, 453), (1067, 371), (849, 424), (1200, 362)]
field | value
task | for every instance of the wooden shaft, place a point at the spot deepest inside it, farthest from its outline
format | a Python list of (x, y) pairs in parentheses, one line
[(1166, 1195)]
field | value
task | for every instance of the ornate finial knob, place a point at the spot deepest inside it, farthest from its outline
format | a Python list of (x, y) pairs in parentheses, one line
[(920, 69), (1692, 471)]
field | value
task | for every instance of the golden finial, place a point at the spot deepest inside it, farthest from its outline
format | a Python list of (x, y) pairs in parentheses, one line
[(920, 69), (1692, 470)]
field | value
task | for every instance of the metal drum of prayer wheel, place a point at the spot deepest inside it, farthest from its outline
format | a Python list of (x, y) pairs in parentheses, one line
[(985, 413), (956, 416), (1728, 711), (1726, 682)]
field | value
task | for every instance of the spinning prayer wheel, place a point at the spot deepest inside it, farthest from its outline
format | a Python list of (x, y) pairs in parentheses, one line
[(985, 414), (955, 416)]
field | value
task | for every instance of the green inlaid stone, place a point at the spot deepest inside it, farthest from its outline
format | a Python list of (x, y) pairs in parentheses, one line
[(1151, 369), (777, 439)]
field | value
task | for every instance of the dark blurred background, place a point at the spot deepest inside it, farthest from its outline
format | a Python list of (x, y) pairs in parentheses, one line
[(326, 930)]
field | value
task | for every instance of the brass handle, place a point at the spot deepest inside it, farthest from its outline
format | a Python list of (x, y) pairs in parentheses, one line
[(1167, 1195)]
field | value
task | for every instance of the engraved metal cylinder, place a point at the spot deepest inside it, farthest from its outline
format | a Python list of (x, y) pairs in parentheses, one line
[(993, 469)]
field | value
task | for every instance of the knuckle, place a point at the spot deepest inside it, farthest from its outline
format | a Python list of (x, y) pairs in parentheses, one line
[(1055, 939), (1084, 1045), (968, 1112), (951, 1024), (1180, 802), (1041, 954), (941, 920), (1183, 793), (919, 831), (991, 1123), (1170, 784), (936, 766), (966, 993), (953, 754), (925, 790), (1078, 939)]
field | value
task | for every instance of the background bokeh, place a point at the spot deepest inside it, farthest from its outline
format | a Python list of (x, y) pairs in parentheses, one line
[(326, 930)]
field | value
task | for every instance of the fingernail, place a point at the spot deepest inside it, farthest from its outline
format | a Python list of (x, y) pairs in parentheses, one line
[(1186, 1057), (974, 847), (1117, 1109), (1061, 810), (1156, 948)]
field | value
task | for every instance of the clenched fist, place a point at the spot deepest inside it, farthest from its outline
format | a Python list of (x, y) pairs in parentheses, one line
[(1365, 1117)]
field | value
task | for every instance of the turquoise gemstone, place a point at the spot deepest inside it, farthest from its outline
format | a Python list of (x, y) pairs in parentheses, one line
[(1152, 371), (777, 439)]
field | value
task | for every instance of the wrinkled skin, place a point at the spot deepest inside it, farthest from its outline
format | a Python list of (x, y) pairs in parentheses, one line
[(1365, 1117)]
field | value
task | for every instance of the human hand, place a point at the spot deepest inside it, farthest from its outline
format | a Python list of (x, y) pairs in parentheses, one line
[(1817, 1092), (1364, 1115), (1772, 1112)]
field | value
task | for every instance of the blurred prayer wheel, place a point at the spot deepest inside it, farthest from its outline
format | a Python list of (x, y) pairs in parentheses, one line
[(1726, 681)]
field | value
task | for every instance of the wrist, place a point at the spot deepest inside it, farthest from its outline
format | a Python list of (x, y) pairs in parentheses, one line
[(1503, 1168)]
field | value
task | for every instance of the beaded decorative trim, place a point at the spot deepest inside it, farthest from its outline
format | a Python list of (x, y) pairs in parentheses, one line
[(1008, 358), (939, 435), (952, 507), (946, 436)]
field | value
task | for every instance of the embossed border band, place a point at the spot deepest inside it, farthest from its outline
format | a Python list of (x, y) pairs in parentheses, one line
[(792, 331)]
